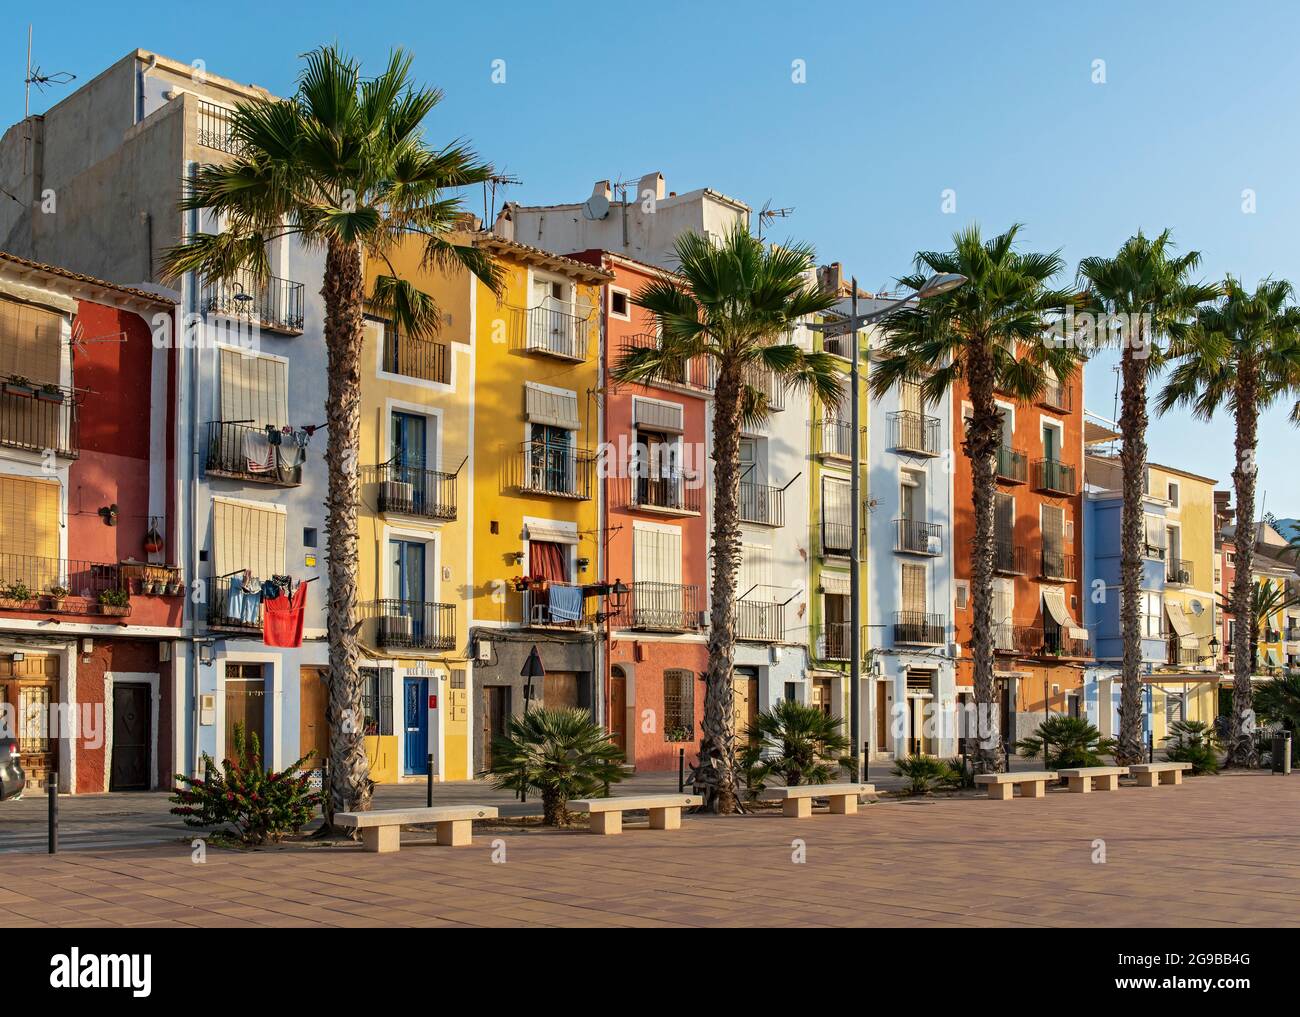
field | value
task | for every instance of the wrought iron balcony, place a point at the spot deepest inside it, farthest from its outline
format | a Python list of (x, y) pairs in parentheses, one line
[(553, 329), (1057, 396), (413, 625), (1054, 476), (831, 640), (560, 471), (1182, 656), (231, 606), (1009, 558), (1058, 565), (1052, 641), (762, 504), (917, 628), (835, 438), (670, 494), (1012, 465), (914, 433), (837, 537), (412, 491), (416, 358), (759, 621), (663, 607), (538, 612), (58, 585), (1178, 572), (214, 130), (913, 536), (275, 305), (766, 382), (698, 373), (39, 418), (241, 451)]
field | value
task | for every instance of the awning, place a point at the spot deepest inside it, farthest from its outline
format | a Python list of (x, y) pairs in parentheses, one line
[(836, 583), (550, 534), (1181, 626), (1273, 659), (550, 406), (1054, 608)]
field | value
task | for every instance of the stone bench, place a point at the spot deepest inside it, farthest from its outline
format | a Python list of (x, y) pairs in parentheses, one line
[(607, 813), (1089, 778), (381, 830), (1165, 773), (796, 802), (1032, 784)]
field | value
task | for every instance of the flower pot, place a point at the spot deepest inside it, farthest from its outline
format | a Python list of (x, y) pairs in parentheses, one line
[(174, 589), (114, 610), (10, 604), (148, 586), (56, 603)]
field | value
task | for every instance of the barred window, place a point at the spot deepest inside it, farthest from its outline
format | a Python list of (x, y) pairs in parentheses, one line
[(679, 706), (377, 700), (458, 678)]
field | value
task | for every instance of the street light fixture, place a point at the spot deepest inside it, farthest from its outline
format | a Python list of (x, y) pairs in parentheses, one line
[(932, 287)]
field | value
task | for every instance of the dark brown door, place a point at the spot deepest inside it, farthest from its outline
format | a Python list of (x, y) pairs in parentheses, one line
[(496, 709), (132, 738), (560, 689), (618, 711), (313, 729)]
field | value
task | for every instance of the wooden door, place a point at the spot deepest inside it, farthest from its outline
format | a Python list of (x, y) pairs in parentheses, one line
[(313, 726), (496, 710), (745, 688), (560, 689), (882, 718), (618, 711), (821, 695), (132, 738), (29, 688), (246, 705)]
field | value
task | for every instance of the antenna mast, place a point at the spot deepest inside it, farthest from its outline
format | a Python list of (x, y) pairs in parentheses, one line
[(36, 77), (767, 214)]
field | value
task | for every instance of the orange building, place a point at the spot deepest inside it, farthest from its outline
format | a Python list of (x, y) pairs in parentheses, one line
[(1038, 578)]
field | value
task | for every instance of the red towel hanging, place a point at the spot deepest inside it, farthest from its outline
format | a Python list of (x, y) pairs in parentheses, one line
[(282, 618)]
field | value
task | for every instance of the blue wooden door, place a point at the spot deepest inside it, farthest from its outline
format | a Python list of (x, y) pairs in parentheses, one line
[(416, 716)]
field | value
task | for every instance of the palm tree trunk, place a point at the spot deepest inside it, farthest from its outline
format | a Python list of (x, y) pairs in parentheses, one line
[(1133, 462), (715, 776), (1241, 740), (343, 292), (983, 436)]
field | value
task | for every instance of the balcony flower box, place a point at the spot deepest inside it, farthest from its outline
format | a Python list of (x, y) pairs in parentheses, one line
[(115, 603), (18, 386), (49, 394)]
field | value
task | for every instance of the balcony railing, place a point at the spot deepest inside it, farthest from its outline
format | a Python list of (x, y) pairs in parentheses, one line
[(666, 494), (769, 385), (1008, 558), (919, 629), (413, 625), (244, 452), (61, 585), (231, 606), (1054, 476), (412, 490), (39, 418), (914, 433), (554, 329), (762, 504), (1057, 396), (538, 612), (916, 537), (831, 641), (663, 607), (214, 128), (1155, 552), (416, 358), (835, 438), (1052, 641), (839, 346), (557, 470), (759, 621), (1182, 656), (1012, 465), (1004, 638), (837, 536), (1059, 565), (275, 305), (1178, 572), (698, 373)]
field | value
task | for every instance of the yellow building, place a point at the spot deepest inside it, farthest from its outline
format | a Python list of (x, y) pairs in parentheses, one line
[(536, 425), (1275, 575), (1186, 686), (416, 547)]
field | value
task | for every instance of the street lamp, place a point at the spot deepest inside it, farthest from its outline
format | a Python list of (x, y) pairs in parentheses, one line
[(932, 287)]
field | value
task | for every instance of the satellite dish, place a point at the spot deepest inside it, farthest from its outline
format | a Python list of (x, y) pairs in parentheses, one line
[(596, 207), (1198, 608)]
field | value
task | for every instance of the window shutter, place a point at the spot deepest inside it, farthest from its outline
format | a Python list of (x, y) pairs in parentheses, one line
[(558, 409), (1053, 527), (246, 536), (657, 555), (910, 397), (914, 588), (254, 389), (657, 416), (755, 572), (29, 517), (1004, 510), (31, 342)]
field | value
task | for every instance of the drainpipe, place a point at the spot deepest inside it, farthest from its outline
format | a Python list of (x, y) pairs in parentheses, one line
[(191, 552), (139, 99)]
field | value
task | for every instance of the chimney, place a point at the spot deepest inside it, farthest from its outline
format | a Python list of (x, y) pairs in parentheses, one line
[(602, 190), (831, 277), (652, 182)]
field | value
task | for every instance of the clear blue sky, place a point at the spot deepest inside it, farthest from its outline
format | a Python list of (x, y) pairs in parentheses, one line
[(995, 101)]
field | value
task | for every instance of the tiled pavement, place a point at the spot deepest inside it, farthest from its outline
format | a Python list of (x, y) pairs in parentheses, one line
[(1216, 851)]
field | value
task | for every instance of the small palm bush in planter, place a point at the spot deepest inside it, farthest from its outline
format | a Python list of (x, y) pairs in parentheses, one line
[(1071, 742), (259, 804), (558, 753), (924, 774), (798, 743), (1192, 741)]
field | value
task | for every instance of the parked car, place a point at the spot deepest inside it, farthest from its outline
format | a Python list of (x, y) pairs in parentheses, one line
[(12, 778)]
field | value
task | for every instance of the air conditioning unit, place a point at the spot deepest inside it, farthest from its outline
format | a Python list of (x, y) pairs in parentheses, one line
[(933, 544), (394, 628)]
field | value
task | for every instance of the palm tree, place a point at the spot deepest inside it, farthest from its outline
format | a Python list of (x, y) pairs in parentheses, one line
[(803, 745), (1242, 354), (731, 304), (993, 333), (1265, 600), (1278, 701), (1144, 289), (341, 167)]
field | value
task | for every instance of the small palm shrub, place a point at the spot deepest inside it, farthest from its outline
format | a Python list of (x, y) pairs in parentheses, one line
[(260, 805), (962, 775), (924, 774), (1071, 742), (797, 743), (1277, 701), (753, 771), (558, 753), (1191, 741)]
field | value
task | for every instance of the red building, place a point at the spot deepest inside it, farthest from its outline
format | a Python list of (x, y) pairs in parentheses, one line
[(89, 601)]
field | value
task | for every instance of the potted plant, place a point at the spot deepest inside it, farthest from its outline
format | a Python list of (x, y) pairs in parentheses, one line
[(521, 583), (50, 393), (114, 602), (174, 585), (15, 595), (153, 540), (17, 385), (148, 586), (58, 594)]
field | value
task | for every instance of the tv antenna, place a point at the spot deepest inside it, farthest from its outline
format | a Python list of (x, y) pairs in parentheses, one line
[(767, 214), (35, 76), (490, 186)]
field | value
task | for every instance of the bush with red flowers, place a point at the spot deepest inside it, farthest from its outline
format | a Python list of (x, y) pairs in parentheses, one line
[(259, 805)]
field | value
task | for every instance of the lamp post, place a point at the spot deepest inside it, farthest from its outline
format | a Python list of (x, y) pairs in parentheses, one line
[(849, 326)]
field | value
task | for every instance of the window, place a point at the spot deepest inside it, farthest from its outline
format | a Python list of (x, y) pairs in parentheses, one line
[(1004, 515), (1155, 538), (32, 342), (913, 580), (1053, 523), (1152, 619), (656, 554), (619, 304), (837, 526), (254, 389), (1051, 443), (377, 700), (1173, 494), (29, 518), (458, 678), (963, 594), (309, 536), (679, 705), (249, 536)]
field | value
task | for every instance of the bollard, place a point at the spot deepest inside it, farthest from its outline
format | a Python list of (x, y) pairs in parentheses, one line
[(681, 770), (1151, 748), (865, 776), (52, 789)]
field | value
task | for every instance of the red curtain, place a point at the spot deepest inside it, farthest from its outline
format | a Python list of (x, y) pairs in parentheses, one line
[(548, 561)]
